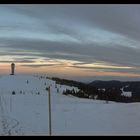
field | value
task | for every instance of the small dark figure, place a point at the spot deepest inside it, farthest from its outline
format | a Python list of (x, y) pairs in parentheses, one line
[(57, 90), (13, 93), (47, 88)]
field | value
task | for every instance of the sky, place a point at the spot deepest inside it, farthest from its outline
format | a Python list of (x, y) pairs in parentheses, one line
[(79, 42)]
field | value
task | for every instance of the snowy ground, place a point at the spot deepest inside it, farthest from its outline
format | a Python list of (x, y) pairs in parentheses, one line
[(26, 113)]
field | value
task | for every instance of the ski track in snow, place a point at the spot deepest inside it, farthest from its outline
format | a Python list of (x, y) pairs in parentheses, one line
[(10, 126)]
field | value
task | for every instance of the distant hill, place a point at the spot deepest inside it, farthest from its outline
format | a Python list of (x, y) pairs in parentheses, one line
[(106, 84), (133, 86), (68, 82), (120, 91)]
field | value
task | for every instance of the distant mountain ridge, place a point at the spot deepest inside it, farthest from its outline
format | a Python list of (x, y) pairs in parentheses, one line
[(133, 86), (106, 84), (119, 91)]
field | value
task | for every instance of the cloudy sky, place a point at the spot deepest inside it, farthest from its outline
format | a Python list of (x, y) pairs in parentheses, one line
[(80, 42)]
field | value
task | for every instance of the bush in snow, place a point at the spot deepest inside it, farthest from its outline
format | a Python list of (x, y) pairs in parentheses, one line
[(47, 88), (13, 92)]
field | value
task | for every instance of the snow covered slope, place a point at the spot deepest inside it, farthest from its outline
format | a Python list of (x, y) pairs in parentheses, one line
[(26, 112)]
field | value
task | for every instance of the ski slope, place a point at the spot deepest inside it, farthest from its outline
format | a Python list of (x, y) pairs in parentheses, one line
[(26, 112)]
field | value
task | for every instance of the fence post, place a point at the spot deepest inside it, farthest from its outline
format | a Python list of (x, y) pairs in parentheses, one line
[(50, 119), (11, 103)]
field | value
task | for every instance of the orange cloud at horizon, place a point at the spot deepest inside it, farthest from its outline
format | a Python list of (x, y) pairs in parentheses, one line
[(62, 71), (4, 68)]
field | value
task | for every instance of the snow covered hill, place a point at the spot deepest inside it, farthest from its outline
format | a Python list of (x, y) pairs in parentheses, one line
[(26, 111)]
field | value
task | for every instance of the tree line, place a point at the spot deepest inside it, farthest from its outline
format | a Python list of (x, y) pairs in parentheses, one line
[(109, 93)]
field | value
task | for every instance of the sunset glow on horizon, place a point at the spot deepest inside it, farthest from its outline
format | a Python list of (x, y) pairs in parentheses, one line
[(79, 42)]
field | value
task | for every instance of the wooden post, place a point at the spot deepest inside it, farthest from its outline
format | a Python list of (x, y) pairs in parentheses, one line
[(11, 103), (50, 119)]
